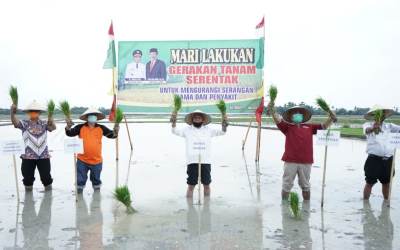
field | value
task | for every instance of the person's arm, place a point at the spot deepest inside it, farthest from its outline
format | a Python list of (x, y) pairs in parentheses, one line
[(71, 132), (174, 130), (331, 119), (112, 134), (275, 116), (14, 120)]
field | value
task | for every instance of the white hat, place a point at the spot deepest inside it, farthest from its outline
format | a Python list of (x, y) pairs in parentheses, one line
[(370, 115), (189, 117), (34, 106), (92, 111)]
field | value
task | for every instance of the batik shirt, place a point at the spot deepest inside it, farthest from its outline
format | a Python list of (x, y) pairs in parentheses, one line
[(34, 134)]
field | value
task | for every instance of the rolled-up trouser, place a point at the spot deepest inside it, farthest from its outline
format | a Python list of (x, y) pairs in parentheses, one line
[(291, 170)]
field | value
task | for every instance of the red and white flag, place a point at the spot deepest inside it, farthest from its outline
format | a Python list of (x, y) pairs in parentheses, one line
[(260, 28)]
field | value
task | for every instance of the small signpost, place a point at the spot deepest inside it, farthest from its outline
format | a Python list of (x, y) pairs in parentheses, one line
[(198, 146), (394, 141), (74, 146), (13, 147), (326, 138)]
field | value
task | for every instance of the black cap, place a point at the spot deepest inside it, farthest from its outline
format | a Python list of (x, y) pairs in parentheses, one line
[(137, 52), (153, 50)]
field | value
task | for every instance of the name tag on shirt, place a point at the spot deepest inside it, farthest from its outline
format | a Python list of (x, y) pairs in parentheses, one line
[(328, 138), (73, 146), (11, 147), (394, 140)]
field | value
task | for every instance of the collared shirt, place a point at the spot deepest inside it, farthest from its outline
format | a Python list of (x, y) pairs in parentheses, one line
[(299, 141), (198, 142), (34, 134), (135, 71), (377, 144)]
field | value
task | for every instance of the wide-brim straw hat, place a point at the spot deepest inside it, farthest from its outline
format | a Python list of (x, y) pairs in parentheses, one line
[(370, 115), (92, 111), (189, 117), (287, 115), (34, 106)]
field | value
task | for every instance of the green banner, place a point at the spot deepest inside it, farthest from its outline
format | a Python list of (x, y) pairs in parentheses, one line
[(201, 72)]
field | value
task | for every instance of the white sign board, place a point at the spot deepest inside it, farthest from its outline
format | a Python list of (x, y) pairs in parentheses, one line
[(11, 147), (73, 145), (394, 140), (328, 138)]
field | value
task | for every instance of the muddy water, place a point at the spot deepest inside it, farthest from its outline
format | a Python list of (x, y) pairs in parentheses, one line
[(244, 212)]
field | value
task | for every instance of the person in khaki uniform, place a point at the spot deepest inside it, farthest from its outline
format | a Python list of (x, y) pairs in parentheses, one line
[(298, 155)]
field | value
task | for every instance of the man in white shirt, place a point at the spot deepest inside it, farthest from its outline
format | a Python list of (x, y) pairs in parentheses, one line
[(380, 154), (198, 147), (136, 70)]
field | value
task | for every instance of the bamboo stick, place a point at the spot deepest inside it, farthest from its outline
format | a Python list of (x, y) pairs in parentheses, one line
[(391, 175), (323, 177), (75, 178), (199, 179), (129, 134), (258, 142), (116, 162), (16, 177), (247, 133)]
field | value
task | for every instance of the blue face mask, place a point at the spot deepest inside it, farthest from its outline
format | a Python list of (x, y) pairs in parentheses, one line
[(92, 118), (297, 118)]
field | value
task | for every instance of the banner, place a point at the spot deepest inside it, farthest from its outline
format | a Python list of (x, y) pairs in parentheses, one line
[(201, 72)]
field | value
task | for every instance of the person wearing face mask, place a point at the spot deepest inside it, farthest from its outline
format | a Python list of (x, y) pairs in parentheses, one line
[(298, 155), (91, 134), (198, 131), (34, 132)]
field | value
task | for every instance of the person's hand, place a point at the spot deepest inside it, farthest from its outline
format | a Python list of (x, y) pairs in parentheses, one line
[(376, 127), (173, 118), (69, 122), (225, 121), (13, 108), (271, 107), (116, 129), (333, 117)]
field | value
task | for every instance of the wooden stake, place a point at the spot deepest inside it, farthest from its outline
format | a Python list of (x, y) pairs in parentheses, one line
[(75, 178), (129, 134), (323, 177), (247, 133), (16, 177), (391, 175), (258, 142), (116, 162), (199, 179)]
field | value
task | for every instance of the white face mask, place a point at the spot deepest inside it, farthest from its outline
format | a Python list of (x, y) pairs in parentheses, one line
[(92, 118)]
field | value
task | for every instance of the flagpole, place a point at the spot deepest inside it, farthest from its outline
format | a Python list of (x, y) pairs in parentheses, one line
[(116, 139)]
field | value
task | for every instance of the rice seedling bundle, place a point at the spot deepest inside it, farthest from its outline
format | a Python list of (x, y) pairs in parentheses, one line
[(123, 195), (65, 108), (294, 204), (273, 93), (51, 106), (323, 105), (119, 115), (221, 105), (177, 103), (14, 95)]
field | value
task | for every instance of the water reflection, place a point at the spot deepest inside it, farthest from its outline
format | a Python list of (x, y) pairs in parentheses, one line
[(89, 222), (36, 226), (378, 231), (198, 218), (296, 232), (247, 173)]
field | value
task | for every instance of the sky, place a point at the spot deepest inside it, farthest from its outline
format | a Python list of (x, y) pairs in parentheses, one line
[(346, 51)]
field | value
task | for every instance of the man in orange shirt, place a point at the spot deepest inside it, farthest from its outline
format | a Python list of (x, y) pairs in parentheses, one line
[(91, 134)]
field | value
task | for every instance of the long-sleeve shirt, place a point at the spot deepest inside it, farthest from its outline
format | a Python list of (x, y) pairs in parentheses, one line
[(377, 144), (198, 142), (92, 141)]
